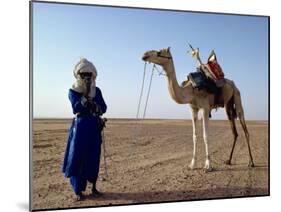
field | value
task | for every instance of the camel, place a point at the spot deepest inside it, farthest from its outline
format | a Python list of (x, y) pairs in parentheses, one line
[(202, 100)]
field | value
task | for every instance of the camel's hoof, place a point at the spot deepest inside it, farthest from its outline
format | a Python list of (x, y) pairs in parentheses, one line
[(209, 169), (192, 164), (251, 164), (227, 162), (191, 167)]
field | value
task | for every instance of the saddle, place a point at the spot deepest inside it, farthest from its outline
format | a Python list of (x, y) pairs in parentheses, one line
[(209, 77)]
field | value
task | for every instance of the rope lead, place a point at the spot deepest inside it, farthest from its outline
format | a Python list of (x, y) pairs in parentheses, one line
[(148, 92), (137, 116), (104, 157)]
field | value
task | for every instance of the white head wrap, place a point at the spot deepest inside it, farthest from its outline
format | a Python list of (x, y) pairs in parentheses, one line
[(84, 66)]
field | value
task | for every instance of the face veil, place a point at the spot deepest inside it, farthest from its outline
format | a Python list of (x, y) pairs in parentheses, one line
[(84, 66)]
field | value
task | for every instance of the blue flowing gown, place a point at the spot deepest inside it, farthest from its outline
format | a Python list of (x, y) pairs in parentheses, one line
[(82, 154)]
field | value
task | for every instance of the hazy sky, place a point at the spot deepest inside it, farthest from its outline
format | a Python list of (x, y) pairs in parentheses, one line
[(114, 39)]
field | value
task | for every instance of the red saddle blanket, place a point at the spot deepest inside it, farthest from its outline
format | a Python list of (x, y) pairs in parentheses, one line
[(215, 68)]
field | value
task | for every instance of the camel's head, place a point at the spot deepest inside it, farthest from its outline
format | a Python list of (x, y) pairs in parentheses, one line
[(158, 57)]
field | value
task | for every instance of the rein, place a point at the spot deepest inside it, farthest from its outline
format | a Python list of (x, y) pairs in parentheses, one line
[(159, 55), (148, 92), (105, 154)]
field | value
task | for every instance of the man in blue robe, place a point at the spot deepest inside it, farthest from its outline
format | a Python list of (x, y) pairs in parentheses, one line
[(82, 154)]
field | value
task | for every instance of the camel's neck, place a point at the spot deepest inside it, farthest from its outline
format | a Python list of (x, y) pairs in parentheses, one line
[(179, 94)]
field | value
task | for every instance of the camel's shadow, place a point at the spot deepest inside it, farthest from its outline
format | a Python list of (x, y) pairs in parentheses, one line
[(241, 167)]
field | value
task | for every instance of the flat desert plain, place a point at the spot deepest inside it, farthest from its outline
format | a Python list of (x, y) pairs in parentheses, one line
[(147, 161)]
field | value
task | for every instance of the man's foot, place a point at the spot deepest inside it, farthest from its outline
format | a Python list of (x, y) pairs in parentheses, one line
[(79, 197), (96, 193)]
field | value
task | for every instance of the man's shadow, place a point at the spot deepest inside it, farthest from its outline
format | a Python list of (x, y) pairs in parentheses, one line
[(180, 195)]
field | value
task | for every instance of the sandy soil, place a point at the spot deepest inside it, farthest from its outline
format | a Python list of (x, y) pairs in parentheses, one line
[(147, 161)]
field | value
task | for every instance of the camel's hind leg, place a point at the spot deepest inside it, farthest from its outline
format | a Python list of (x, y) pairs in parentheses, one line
[(230, 111), (240, 112), (243, 123)]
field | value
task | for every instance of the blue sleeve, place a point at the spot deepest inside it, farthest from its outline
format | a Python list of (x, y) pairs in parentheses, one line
[(76, 103), (100, 101)]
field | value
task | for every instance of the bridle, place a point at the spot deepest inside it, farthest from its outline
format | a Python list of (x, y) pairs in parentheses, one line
[(159, 55)]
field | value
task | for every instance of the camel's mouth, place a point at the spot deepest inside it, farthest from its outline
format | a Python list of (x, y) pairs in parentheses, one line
[(145, 57)]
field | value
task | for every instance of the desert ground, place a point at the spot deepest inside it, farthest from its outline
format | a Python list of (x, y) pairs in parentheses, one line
[(147, 161)]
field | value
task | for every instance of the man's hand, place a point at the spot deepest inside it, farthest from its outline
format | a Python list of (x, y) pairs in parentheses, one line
[(94, 107), (98, 110)]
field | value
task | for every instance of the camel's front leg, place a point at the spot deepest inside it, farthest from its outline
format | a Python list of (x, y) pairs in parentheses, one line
[(194, 114), (207, 166)]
